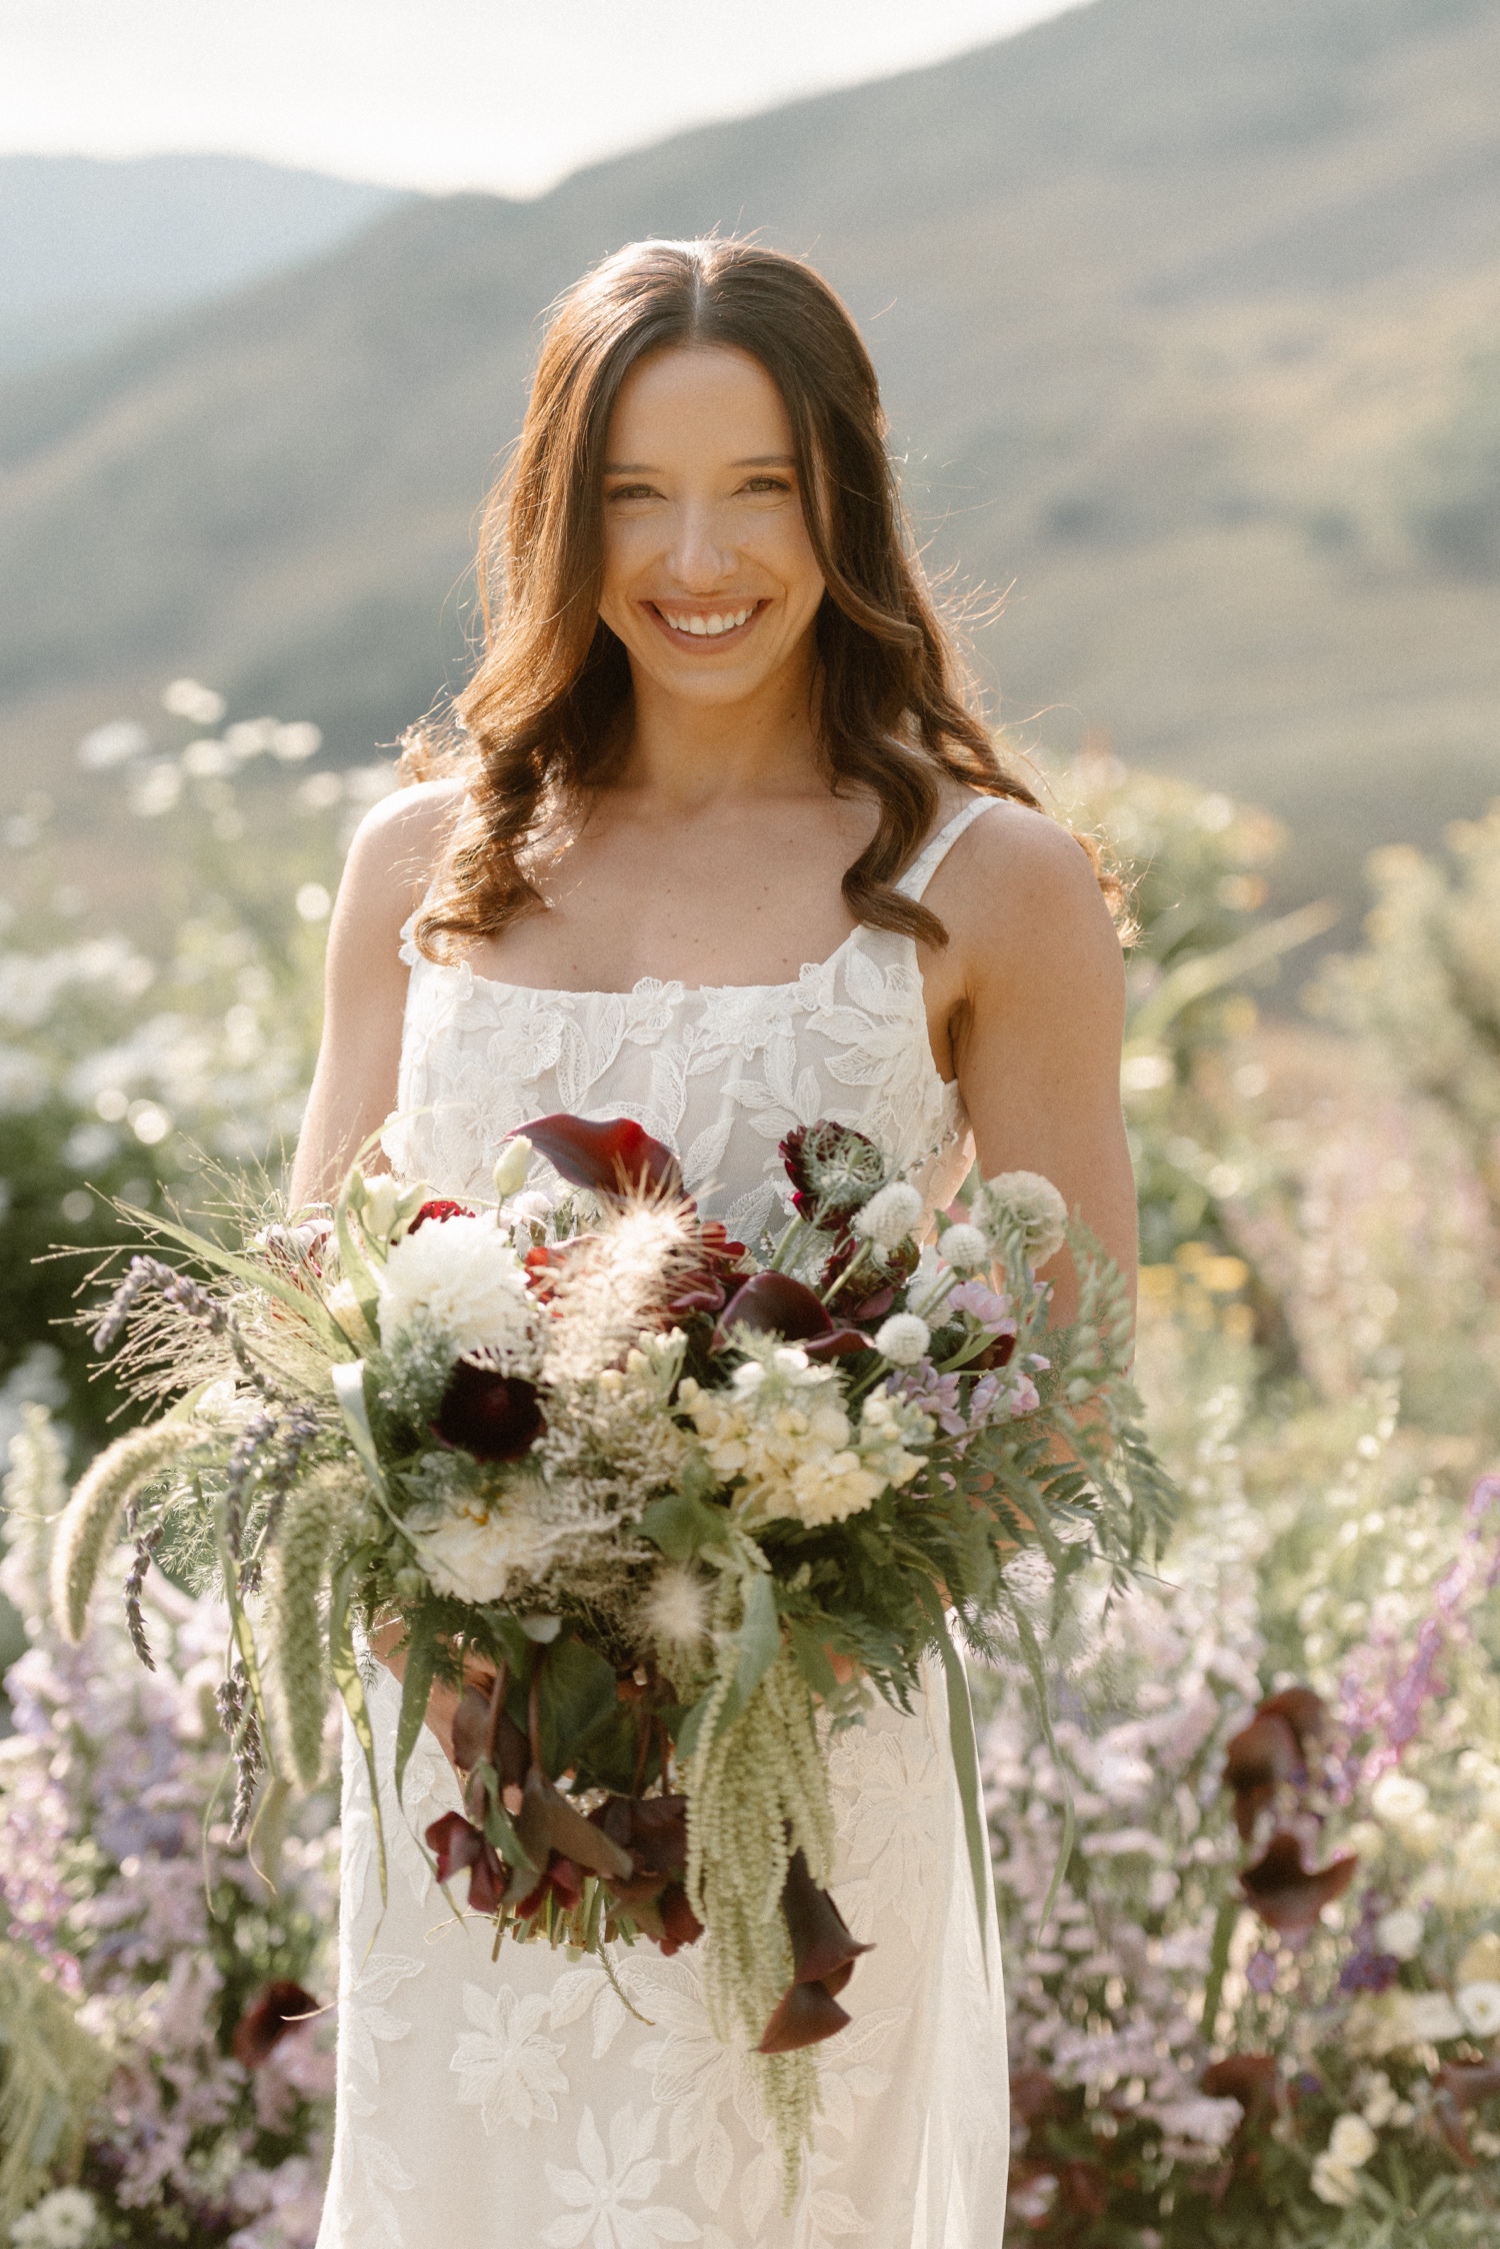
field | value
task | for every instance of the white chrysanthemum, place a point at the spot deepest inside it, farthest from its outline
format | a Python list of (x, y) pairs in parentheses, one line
[(781, 1431), (1400, 1933), (889, 1216), (466, 1280), (1024, 1203), (964, 1248), (1479, 2004), (903, 1339), (473, 1551)]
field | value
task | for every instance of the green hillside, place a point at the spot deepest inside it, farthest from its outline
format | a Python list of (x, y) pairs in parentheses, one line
[(1189, 321)]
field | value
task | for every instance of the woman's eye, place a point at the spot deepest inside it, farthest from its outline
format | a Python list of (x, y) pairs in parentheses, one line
[(631, 492), (760, 484)]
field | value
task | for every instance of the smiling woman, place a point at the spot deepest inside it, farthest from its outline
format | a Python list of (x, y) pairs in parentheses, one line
[(720, 846)]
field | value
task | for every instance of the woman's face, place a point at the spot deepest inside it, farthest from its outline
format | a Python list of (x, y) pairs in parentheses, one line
[(710, 578)]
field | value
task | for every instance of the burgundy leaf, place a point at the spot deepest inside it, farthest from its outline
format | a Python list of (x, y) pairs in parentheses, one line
[(1257, 1760), (493, 1416), (1303, 1710), (274, 2010), (680, 1924), (1251, 2079), (615, 1158)]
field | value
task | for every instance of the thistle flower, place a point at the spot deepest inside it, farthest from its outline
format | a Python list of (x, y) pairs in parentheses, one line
[(93, 1513), (965, 1248), (890, 1216), (903, 1339)]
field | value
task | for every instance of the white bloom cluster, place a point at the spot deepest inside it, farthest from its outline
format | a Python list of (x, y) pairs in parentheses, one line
[(1351, 2144), (783, 1432), (1024, 1204), (464, 1278), (64, 2219)]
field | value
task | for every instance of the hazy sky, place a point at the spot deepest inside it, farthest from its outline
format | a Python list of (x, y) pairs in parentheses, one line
[(504, 94)]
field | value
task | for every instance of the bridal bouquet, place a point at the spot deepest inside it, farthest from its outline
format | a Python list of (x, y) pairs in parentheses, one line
[(646, 1502)]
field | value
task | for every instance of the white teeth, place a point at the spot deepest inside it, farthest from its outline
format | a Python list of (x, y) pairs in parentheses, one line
[(709, 627)]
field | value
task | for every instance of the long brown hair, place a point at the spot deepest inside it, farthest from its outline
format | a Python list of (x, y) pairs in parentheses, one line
[(895, 710)]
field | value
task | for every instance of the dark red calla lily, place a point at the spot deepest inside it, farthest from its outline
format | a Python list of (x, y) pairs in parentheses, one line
[(1259, 1759), (1251, 2079), (1288, 1895), (564, 1881), (614, 1159), (438, 1209), (823, 1957), (274, 2010), (1304, 1711), (775, 1304), (680, 1924), (493, 1416)]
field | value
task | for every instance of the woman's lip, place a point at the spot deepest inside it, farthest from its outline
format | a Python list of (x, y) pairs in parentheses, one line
[(706, 643)]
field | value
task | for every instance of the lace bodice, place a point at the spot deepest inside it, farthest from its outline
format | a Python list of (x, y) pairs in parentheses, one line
[(720, 1073)]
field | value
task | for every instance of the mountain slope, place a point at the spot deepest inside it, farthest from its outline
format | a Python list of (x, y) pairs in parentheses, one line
[(1177, 310), (91, 246)]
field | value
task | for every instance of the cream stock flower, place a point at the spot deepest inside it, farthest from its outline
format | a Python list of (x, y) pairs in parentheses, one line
[(782, 1431), (464, 1278)]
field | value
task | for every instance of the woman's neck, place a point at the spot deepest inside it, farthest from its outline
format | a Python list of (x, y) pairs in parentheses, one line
[(685, 754)]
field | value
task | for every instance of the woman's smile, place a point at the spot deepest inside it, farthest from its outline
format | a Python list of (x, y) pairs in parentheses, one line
[(703, 632)]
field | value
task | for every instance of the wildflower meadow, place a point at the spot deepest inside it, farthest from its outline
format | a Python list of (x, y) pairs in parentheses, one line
[(1247, 1853)]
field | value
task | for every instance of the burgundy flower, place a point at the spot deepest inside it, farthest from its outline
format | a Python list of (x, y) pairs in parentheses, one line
[(1034, 2095), (1250, 2079), (562, 1879), (834, 1171), (275, 2009), (1258, 1760), (493, 1416), (456, 1843), (437, 1210), (1288, 1895), (823, 1957), (775, 1304), (614, 1159)]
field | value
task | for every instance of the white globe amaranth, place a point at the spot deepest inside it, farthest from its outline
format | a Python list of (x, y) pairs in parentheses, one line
[(903, 1339), (463, 1278), (965, 1248), (890, 1216), (1025, 1203)]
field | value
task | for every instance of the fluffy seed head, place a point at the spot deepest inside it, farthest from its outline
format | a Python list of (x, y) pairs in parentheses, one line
[(674, 1612), (964, 1248), (889, 1216)]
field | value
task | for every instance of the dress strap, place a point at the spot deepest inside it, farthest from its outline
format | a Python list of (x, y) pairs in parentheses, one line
[(922, 869)]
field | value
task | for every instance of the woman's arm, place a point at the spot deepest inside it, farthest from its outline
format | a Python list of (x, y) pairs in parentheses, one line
[(1039, 1010), (354, 1086)]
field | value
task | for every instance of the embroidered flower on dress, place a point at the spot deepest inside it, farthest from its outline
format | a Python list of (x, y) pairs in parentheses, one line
[(507, 2069)]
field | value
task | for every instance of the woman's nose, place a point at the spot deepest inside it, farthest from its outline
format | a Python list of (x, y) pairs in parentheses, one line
[(700, 559)]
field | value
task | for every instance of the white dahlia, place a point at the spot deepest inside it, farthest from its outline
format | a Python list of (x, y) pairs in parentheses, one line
[(461, 1277), (474, 1550)]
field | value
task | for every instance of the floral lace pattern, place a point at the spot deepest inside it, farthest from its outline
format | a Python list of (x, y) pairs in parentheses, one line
[(534, 2099), (720, 1073)]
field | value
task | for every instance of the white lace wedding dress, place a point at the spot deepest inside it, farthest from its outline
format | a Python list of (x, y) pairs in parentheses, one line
[(516, 2101)]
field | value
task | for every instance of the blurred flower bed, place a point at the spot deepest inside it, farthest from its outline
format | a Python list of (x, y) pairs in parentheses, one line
[(1265, 2003)]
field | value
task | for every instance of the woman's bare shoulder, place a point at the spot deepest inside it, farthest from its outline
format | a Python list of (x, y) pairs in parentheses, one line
[(396, 849), (1019, 888)]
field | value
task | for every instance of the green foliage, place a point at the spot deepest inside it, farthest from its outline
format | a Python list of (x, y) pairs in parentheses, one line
[(51, 2073)]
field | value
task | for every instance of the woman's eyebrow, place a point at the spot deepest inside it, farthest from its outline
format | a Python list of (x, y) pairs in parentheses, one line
[(754, 461)]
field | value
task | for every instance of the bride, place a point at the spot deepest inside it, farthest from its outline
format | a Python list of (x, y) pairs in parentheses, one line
[(722, 847)]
